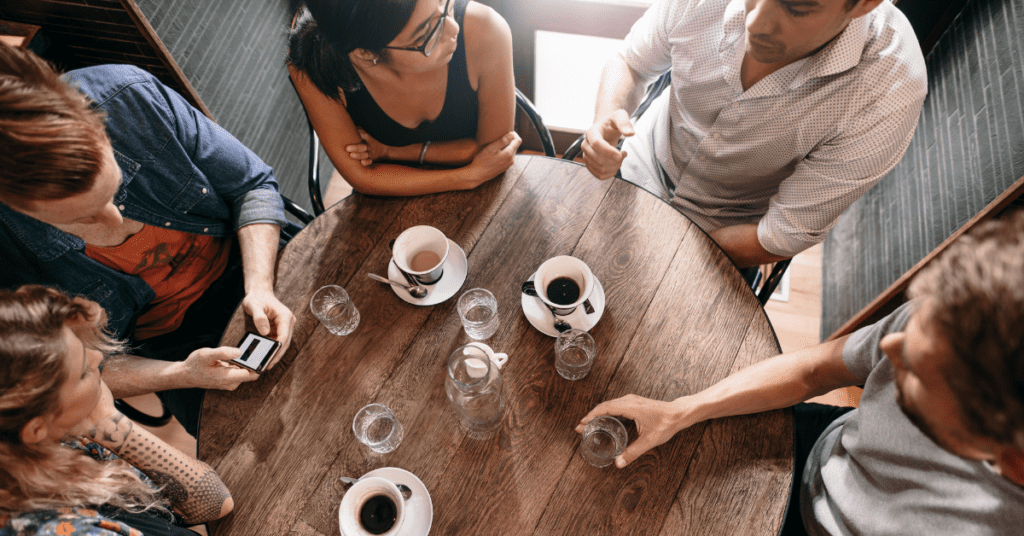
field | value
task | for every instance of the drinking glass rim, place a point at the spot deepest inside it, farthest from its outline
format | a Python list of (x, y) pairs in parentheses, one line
[(365, 409)]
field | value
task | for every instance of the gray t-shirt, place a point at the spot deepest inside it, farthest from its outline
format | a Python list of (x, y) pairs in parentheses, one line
[(873, 472)]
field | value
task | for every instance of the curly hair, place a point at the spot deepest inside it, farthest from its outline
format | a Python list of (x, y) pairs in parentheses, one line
[(976, 295), (319, 47), (48, 475), (52, 144)]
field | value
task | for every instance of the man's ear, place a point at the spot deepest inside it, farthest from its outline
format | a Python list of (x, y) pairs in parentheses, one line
[(35, 431), (1011, 463)]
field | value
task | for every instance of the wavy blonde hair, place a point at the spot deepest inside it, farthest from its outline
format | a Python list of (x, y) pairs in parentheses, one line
[(48, 475)]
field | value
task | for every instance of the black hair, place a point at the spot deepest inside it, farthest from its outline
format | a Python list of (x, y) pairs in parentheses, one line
[(324, 32)]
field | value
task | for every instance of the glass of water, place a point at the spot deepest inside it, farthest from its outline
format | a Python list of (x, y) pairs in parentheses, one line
[(335, 310), (478, 310), (574, 354), (604, 438), (376, 427)]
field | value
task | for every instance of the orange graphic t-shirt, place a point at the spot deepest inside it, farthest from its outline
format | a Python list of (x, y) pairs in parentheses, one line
[(179, 266)]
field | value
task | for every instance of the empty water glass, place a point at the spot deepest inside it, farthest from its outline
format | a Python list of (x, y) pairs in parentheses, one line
[(335, 310), (574, 354), (478, 310), (604, 438), (376, 427)]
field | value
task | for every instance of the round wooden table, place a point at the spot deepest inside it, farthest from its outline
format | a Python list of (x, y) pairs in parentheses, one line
[(678, 319)]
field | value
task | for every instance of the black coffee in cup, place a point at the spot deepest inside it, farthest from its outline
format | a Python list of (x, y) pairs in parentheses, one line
[(563, 291), (378, 514)]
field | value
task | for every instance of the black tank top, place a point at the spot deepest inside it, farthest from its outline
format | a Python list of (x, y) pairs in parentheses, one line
[(458, 116)]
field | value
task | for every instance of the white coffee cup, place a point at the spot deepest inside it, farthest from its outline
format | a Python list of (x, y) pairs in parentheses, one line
[(357, 496), (420, 251), (567, 267)]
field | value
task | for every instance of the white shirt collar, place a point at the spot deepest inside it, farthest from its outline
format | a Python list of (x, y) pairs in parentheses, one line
[(841, 54)]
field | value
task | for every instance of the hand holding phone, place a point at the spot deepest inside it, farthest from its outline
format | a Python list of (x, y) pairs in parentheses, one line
[(257, 352)]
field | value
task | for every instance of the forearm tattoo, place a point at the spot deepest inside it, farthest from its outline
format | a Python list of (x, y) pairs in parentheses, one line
[(189, 484), (114, 433)]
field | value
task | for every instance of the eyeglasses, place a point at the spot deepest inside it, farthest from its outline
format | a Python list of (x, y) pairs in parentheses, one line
[(433, 36)]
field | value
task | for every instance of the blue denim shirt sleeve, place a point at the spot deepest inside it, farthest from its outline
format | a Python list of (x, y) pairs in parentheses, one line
[(242, 178)]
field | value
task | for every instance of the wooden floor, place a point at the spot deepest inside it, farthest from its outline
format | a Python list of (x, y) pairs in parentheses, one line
[(797, 322)]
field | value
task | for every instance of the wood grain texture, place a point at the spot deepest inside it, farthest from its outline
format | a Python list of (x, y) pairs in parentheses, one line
[(677, 319)]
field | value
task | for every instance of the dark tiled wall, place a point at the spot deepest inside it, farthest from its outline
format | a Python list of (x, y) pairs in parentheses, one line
[(969, 147), (232, 52)]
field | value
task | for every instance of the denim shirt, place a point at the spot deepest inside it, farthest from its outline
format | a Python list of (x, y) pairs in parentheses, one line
[(179, 171)]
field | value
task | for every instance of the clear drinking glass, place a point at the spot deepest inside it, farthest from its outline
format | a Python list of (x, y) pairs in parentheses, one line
[(574, 354), (376, 427), (335, 310), (604, 438), (478, 310)]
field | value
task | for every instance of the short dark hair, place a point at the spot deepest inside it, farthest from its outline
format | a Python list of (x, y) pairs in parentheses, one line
[(52, 143), (975, 293), (324, 32)]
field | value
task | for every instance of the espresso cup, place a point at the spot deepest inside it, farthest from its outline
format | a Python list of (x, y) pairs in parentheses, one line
[(420, 252), (372, 506), (563, 283)]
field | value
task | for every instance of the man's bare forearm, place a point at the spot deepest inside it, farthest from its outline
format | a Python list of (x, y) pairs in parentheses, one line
[(258, 243), (129, 375), (192, 487), (740, 243), (621, 88), (779, 382)]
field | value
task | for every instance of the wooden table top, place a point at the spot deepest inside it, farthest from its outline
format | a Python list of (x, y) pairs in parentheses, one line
[(678, 319)]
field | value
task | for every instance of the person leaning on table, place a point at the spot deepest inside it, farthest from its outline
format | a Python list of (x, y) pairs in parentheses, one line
[(389, 84), (780, 115), (937, 444), (70, 463), (114, 188)]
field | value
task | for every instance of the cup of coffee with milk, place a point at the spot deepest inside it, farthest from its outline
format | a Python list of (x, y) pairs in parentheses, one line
[(563, 283), (420, 253)]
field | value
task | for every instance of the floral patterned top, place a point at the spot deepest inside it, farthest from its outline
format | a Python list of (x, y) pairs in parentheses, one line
[(70, 521), (65, 522)]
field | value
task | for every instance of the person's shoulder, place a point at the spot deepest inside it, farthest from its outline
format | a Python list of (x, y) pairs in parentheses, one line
[(486, 31), (892, 45), (484, 24), (103, 82)]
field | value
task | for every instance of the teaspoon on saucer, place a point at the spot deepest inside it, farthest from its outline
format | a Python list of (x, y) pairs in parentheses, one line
[(416, 291), (561, 325)]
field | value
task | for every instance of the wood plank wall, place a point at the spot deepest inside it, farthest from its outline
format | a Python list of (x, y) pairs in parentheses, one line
[(967, 153)]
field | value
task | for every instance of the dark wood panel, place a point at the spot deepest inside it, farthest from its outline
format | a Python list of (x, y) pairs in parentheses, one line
[(81, 33)]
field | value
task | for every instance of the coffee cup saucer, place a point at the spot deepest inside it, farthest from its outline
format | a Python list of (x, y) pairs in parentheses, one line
[(419, 509), (456, 266), (540, 317)]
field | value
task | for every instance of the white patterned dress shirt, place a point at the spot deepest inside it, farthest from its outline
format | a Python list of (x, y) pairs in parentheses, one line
[(790, 153)]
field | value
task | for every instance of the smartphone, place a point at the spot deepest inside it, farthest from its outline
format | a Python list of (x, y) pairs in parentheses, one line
[(257, 351)]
